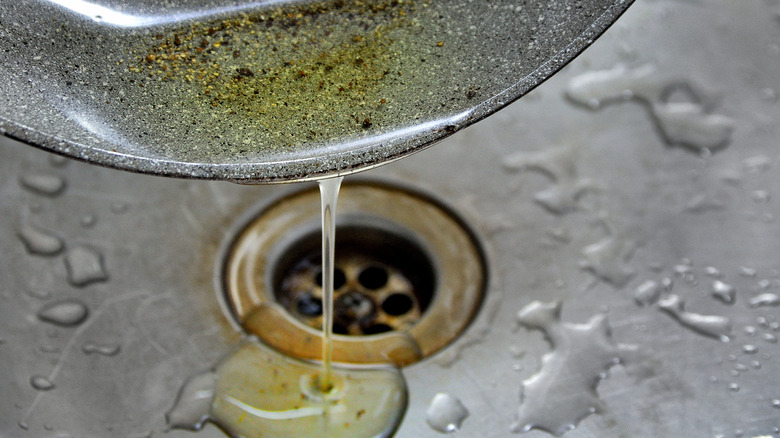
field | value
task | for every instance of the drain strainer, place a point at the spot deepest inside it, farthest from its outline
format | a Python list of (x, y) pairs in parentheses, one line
[(409, 276)]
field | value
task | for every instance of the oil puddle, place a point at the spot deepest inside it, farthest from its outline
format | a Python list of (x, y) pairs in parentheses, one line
[(563, 392), (560, 164), (258, 391), (446, 413), (689, 123)]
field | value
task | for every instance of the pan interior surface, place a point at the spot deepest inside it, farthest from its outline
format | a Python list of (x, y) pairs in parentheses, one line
[(273, 91)]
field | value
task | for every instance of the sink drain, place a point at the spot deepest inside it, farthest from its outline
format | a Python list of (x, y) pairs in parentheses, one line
[(409, 276), (383, 281)]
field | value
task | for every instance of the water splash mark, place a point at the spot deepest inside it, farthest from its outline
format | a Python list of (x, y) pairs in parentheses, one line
[(563, 392), (560, 164), (608, 259), (715, 326), (689, 124)]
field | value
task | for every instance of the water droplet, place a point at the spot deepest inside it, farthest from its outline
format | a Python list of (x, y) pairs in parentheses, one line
[(769, 337), (760, 196), (191, 409), (41, 383), (259, 389), (712, 271), (741, 367), (733, 387), (43, 184), (747, 272), (107, 350), (647, 293), (734, 373), (763, 284), (88, 220), (682, 270), (84, 266), (765, 299), (776, 403), (723, 292), (762, 322), (755, 364), (560, 163), (708, 325), (750, 330), (581, 354), (749, 349), (713, 379), (608, 260), (446, 413), (38, 241), (686, 123), (757, 163), (49, 349), (119, 207), (65, 313)]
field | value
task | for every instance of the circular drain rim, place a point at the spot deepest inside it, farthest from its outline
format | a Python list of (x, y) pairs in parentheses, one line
[(455, 254)]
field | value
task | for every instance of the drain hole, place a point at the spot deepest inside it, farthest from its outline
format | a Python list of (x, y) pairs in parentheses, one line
[(383, 281), (397, 304), (408, 271), (339, 278), (377, 329), (373, 277), (309, 305)]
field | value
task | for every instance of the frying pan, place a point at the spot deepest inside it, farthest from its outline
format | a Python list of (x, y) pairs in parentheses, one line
[(273, 91)]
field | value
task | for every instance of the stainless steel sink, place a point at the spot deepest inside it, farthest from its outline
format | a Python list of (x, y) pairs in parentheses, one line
[(642, 176)]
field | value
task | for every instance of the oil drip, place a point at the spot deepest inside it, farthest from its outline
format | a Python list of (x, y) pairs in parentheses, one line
[(258, 390)]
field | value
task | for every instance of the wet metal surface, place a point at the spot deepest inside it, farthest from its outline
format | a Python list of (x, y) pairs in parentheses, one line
[(608, 209)]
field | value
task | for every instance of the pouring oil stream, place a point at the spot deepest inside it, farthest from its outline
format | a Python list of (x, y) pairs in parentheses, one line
[(329, 193)]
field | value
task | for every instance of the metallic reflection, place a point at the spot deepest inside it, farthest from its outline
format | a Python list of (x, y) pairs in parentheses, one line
[(113, 17)]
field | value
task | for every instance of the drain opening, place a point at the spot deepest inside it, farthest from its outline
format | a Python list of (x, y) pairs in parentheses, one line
[(382, 281), (409, 276)]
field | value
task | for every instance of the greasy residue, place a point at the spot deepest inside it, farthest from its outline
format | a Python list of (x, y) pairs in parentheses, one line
[(300, 73)]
